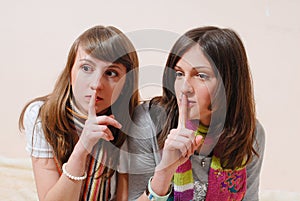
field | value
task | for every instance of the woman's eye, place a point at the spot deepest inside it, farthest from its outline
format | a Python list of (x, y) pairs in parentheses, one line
[(87, 68), (203, 76), (111, 73), (178, 74)]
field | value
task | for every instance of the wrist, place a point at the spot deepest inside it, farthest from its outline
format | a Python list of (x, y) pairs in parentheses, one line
[(160, 182), (165, 172), (153, 195), (80, 150), (77, 160), (72, 177)]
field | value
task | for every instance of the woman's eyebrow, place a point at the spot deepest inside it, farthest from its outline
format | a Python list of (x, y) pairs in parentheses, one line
[(201, 67), (114, 66), (177, 67), (94, 64), (87, 60), (195, 67), (117, 67)]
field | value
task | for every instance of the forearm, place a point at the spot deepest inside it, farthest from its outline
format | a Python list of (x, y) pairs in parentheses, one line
[(161, 180), (63, 188)]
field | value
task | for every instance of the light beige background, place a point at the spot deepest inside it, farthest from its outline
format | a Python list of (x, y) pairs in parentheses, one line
[(36, 36)]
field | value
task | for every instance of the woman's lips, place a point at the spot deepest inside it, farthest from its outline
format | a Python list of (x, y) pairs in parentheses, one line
[(99, 99), (190, 103)]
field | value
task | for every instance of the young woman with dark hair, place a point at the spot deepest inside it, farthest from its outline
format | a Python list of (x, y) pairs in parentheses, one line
[(201, 136)]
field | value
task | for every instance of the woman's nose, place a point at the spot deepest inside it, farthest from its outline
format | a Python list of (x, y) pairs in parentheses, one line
[(186, 87), (97, 82)]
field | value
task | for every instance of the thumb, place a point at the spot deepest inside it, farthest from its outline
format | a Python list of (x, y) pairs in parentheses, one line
[(199, 139)]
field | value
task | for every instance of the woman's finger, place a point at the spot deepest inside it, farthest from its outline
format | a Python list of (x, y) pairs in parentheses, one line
[(92, 110), (183, 113), (108, 120), (100, 131)]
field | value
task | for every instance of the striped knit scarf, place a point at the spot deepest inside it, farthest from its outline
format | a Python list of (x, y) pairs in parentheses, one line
[(96, 187), (223, 184), (183, 178)]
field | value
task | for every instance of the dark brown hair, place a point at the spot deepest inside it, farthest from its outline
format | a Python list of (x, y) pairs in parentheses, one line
[(226, 53)]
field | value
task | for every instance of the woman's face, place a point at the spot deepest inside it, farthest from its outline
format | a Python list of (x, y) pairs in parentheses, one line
[(195, 78), (90, 74)]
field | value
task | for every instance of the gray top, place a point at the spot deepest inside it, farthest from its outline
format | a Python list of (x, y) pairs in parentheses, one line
[(144, 155)]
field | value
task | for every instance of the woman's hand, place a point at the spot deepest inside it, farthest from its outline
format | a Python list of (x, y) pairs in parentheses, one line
[(96, 127), (181, 142)]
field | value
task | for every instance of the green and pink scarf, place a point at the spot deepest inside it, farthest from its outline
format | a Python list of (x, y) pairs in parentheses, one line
[(223, 184)]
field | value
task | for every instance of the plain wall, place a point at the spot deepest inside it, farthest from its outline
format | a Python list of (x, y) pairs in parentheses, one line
[(36, 36)]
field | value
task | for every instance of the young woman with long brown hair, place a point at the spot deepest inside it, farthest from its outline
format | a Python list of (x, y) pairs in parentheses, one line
[(74, 133), (201, 135)]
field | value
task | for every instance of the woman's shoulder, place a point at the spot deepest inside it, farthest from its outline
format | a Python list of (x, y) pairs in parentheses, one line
[(36, 105), (33, 109), (259, 143), (31, 113), (143, 126), (259, 131), (36, 143), (141, 112), (147, 111)]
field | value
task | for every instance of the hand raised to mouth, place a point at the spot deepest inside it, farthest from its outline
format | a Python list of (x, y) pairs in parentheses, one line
[(181, 142), (96, 127)]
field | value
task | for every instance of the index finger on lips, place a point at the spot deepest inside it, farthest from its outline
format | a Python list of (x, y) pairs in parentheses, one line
[(92, 110), (183, 111)]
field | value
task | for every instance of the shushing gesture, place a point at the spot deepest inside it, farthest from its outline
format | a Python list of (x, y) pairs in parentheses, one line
[(181, 142), (96, 127)]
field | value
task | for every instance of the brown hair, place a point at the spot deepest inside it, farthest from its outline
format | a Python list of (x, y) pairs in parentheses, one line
[(105, 43), (225, 50)]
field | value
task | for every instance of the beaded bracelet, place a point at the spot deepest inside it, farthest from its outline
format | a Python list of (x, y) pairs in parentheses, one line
[(153, 196), (65, 172)]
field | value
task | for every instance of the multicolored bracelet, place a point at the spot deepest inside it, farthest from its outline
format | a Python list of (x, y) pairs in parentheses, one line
[(152, 196)]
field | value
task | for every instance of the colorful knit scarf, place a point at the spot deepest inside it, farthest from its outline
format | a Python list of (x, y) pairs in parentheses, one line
[(223, 184), (96, 187)]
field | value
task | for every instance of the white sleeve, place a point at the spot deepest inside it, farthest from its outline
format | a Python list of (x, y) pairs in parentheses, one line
[(36, 143)]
